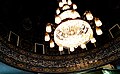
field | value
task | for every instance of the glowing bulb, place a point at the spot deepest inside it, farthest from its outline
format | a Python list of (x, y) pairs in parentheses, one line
[(60, 48), (98, 31), (98, 22), (89, 16), (61, 4), (57, 11), (72, 49), (83, 46), (57, 19), (51, 43), (74, 6), (93, 40), (48, 28), (69, 2), (47, 37)]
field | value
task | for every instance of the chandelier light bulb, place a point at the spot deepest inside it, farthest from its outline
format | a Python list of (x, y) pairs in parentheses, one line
[(72, 49), (48, 28), (47, 37), (57, 19), (69, 2), (74, 6), (61, 4), (60, 48), (64, 1), (98, 22), (98, 31), (89, 16), (57, 11), (93, 40), (83, 46), (51, 43)]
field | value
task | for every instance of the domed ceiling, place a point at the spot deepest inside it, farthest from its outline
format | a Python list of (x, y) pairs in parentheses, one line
[(39, 13), (28, 19)]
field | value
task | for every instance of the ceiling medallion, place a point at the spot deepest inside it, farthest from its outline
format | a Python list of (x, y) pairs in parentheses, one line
[(70, 29)]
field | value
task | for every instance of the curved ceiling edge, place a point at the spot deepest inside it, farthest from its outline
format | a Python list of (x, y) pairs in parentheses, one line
[(59, 64)]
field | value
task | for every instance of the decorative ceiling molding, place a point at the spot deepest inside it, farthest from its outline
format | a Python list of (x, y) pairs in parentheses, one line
[(22, 59)]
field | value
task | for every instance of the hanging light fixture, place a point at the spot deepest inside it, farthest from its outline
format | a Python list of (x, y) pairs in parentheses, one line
[(47, 37), (71, 29), (48, 28), (51, 43)]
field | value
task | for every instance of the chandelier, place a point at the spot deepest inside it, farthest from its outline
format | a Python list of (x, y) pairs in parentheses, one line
[(71, 30)]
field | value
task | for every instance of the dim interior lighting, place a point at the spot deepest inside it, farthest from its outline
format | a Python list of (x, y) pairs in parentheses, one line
[(71, 30)]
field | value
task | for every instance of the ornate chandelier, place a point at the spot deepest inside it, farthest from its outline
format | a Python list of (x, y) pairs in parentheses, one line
[(70, 29)]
